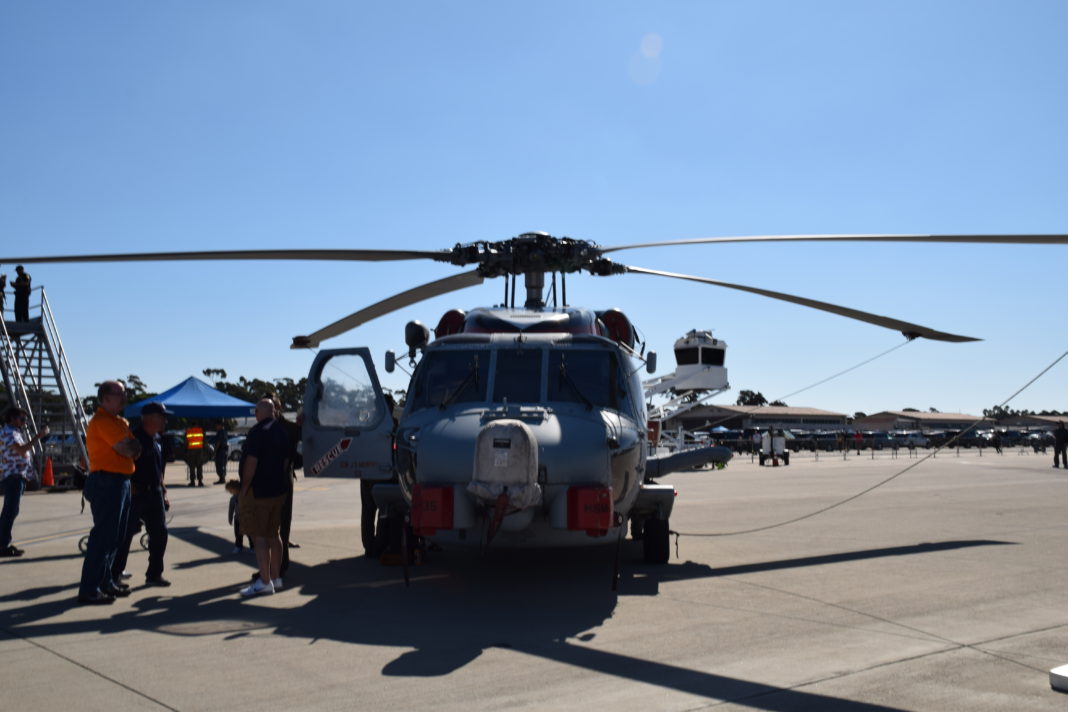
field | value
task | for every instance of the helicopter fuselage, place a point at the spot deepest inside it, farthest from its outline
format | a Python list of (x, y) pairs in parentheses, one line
[(522, 427), (579, 402)]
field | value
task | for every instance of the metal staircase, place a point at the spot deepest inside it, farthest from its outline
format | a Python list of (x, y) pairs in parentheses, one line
[(38, 379)]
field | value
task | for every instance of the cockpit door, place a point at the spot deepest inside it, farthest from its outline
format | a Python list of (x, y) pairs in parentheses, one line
[(348, 429)]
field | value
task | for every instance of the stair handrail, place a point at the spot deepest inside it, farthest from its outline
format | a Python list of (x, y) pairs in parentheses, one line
[(65, 378), (16, 387)]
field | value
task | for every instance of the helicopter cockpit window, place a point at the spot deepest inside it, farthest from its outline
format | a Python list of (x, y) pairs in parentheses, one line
[(348, 399), (447, 377), (518, 376), (590, 377)]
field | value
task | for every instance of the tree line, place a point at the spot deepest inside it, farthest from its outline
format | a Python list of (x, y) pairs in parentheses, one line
[(250, 390)]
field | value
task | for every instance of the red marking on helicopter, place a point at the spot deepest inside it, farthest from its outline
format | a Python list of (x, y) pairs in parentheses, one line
[(431, 509), (590, 508), (331, 455)]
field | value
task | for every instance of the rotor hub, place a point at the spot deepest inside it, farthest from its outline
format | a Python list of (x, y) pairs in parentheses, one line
[(532, 252)]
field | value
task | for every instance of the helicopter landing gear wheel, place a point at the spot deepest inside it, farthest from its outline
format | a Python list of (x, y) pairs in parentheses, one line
[(656, 541)]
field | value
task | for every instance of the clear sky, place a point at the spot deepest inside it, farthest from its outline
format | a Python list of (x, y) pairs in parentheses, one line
[(130, 126)]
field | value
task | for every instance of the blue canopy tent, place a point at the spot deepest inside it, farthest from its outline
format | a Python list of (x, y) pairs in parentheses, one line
[(195, 399)]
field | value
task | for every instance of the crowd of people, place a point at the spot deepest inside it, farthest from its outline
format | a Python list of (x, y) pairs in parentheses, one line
[(126, 490)]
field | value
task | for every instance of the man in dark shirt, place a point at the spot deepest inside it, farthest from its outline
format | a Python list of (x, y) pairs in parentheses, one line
[(1060, 445), (264, 469), (221, 443), (21, 286), (148, 497)]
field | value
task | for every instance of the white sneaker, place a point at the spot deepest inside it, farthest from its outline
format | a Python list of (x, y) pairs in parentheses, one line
[(257, 588), (125, 575), (277, 583)]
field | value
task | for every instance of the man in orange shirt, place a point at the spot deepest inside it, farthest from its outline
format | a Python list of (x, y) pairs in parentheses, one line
[(112, 451)]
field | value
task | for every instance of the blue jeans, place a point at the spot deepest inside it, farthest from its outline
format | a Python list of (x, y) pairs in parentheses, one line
[(109, 497), (14, 486)]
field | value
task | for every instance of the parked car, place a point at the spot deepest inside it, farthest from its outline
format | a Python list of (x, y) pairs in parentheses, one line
[(61, 447), (235, 443), (910, 439), (173, 445), (1039, 441)]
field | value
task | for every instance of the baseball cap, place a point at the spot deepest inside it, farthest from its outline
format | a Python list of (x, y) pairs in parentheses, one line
[(155, 408)]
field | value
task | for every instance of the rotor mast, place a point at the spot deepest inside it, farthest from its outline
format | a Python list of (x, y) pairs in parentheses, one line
[(534, 281)]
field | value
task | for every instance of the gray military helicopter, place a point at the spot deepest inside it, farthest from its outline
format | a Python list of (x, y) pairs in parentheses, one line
[(525, 425)]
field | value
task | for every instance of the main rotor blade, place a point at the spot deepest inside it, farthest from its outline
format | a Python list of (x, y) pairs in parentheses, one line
[(987, 239), (397, 301), (330, 255), (911, 331)]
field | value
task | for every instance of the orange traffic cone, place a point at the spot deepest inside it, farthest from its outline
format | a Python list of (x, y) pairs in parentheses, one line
[(48, 479)]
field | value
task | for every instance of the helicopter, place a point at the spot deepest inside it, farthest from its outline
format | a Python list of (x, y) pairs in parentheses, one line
[(525, 424)]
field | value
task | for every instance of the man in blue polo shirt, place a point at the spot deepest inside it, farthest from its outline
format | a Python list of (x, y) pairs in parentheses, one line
[(148, 497)]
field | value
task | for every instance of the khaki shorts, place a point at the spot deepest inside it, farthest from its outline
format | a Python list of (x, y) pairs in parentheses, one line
[(260, 516)]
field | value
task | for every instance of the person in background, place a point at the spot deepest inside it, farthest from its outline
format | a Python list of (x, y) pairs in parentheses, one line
[(112, 452), (264, 471), (293, 434), (233, 487), (221, 442), (1060, 445), (21, 285), (148, 498), (16, 469), (3, 293), (194, 455), (369, 508)]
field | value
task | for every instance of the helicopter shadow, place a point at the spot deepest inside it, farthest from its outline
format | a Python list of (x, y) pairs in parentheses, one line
[(545, 604), (645, 580)]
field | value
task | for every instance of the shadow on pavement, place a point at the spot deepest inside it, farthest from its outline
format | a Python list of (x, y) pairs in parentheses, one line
[(541, 603)]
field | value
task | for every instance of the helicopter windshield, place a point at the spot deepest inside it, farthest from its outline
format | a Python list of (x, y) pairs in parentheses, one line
[(591, 377), (517, 378), (447, 377)]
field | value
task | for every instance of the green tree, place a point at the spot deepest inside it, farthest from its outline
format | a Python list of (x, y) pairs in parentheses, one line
[(751, 398), (999, 413), (136, 391), (290, 392), (215, 374)]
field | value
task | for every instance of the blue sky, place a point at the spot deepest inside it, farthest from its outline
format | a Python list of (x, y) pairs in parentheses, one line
[(131, 126)]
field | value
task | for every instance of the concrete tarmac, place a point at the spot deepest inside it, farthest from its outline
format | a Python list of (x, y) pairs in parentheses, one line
[(945, 588)]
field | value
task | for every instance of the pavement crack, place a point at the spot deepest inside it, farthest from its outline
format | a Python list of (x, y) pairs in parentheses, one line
[(90, 670)]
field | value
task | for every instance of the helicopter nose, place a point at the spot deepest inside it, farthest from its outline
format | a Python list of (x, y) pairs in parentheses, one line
[(506, 463)]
